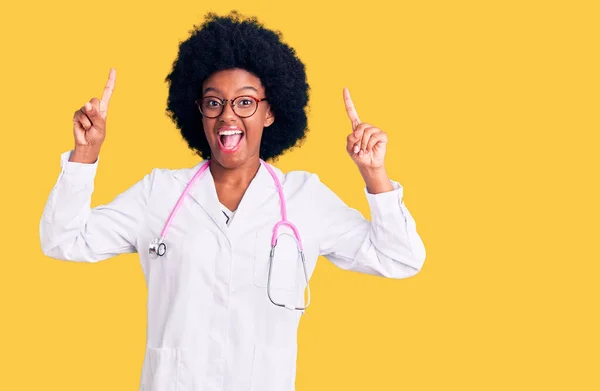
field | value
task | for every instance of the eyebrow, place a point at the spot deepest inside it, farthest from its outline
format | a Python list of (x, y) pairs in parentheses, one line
[(243, 88)]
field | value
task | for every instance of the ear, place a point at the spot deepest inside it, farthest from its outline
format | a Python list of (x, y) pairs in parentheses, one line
[(269, 118)]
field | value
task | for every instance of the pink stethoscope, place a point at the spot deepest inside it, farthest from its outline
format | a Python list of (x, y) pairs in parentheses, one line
[(158, 248)]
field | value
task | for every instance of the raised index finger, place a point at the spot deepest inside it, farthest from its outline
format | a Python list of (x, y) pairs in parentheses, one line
[(352, 114), (110, 86)]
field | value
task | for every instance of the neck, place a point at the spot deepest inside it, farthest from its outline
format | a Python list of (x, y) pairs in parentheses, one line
[(240, 176)]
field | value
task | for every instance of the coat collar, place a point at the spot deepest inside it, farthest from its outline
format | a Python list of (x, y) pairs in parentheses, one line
[(204, 192), (263, 177)]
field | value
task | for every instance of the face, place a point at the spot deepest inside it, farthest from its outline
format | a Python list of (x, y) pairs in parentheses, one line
[(235, 140)]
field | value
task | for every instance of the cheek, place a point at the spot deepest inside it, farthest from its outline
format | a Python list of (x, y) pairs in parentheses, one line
[(254, 130), (208, 124)]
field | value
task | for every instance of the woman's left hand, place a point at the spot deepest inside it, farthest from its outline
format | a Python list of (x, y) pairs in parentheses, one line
[(366, 144)]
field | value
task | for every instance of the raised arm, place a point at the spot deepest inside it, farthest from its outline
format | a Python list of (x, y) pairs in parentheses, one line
[(69, 228), (388, 245)]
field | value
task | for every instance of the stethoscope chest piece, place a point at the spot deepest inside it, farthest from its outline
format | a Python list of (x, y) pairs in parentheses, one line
[(157, 248)]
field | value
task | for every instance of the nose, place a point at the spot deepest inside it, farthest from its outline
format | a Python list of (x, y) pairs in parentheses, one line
[(227, 113)]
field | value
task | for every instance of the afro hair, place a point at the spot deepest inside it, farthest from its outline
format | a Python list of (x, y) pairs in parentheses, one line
[(225, 42)]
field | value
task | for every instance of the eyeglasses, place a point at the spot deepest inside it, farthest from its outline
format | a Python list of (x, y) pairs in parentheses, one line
[(243, 106)]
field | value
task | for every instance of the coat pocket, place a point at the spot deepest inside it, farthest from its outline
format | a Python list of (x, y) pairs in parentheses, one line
[(274, 369), (286, 261), (161, 369)]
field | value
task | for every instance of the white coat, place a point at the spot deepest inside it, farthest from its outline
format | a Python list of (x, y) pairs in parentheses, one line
[(210, 323)]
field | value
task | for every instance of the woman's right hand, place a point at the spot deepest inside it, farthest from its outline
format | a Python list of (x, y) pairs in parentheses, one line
[(89, 122)]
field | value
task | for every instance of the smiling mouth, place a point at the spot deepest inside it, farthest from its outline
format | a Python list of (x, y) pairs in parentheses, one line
[(229, 140)]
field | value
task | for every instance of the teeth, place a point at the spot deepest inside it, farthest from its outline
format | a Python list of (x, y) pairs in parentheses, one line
[(229, 132)]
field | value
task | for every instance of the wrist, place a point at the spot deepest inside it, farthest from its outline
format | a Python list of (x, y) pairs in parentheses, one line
[(377, 172), (376, 180), (84, 154)]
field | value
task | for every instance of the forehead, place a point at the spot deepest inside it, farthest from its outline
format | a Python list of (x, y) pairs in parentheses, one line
[(231, 81)]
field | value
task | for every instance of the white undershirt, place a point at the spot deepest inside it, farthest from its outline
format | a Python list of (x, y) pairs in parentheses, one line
[(227, 214)]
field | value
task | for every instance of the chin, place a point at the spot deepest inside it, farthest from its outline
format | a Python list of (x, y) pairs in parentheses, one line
[(231, 160)]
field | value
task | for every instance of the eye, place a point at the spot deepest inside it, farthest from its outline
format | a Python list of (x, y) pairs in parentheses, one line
[(212, 102), (246, 102)]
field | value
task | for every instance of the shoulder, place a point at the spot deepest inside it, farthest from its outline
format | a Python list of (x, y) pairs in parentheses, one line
[(297, 178), (309, 190), (305, 184), (168, 178), (182, 174)]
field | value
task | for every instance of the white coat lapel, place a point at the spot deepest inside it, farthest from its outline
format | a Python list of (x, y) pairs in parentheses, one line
[(262, 189), (203, 191)]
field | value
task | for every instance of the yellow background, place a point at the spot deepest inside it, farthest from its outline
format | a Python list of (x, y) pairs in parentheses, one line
[(492, 115)]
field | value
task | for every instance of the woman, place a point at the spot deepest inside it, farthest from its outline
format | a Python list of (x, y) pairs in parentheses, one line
[(223, 303)]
